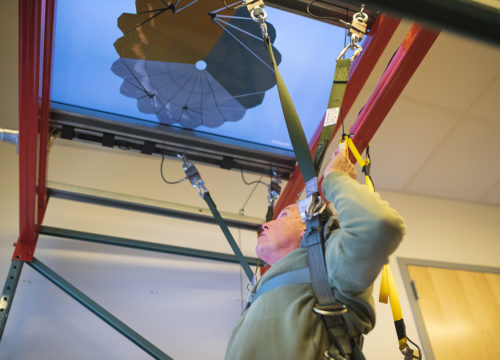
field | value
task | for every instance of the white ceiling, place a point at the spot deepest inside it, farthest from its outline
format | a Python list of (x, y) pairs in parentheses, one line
[(441, 139)]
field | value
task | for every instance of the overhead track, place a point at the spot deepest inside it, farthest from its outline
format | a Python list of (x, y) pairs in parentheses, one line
[(475, 18)]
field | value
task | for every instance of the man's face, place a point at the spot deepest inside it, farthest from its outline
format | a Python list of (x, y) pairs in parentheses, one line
[(281, 236)]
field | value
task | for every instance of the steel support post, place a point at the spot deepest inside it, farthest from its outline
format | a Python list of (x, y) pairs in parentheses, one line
[(142, 245), (98, 310), (33, 125), (373, 45), (8, 292), (29, 61), (45, 107)]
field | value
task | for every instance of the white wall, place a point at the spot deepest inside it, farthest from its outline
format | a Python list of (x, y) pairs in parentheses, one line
[(184, 306), (438, 230)]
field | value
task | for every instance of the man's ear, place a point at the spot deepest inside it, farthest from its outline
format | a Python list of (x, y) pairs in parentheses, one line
[(302, 233)]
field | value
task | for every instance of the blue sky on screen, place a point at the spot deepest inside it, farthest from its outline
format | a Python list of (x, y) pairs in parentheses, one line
[(86, 30)]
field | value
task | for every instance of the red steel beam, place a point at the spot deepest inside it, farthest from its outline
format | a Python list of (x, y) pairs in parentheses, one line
[(373, 47), (32, 146), (45, 107)]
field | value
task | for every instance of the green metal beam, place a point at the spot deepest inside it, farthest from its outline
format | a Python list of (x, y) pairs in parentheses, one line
[(98, 310), (148, 206), (8, 292), (143, 245)]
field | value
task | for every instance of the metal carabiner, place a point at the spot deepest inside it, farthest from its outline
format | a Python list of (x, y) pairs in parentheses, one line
[(193, 175), (259, 15)]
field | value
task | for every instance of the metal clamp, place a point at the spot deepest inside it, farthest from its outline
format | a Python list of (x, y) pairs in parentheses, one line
[(274, 191), (259, 15), (357, 31), (193, 175), (10, 136), (410, 354), (311, 206), (330, 310)]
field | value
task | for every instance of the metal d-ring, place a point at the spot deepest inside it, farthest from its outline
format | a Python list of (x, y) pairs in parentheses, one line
[(330, 310)]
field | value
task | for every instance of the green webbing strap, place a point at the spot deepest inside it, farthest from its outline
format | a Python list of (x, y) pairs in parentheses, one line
[(237, 252), (327, 306), (332, 113), (308, 167), (297, 137)]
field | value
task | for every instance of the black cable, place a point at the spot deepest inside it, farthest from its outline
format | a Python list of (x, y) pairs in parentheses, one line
[(418, 349), (163, 177), (326, 17), (252, 182)]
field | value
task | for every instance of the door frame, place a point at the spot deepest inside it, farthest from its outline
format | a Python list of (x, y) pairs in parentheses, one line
[(413, 294)]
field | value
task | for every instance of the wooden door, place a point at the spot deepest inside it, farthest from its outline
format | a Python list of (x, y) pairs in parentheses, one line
[(460, 310)]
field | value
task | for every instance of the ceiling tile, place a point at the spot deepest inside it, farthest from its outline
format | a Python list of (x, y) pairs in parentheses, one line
[(464, 167), (452, 73), (487, 105), (406, 139), (493, 195), (389, 51)]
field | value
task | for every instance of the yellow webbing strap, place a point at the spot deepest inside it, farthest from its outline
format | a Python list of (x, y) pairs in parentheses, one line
[(387, 287), (359, 159), (388, 292)]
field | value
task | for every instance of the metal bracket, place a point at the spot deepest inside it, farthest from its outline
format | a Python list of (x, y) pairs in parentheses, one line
[(259, 15), (10, 136), (193, 175), (311, 206), (274, 191), (357, 30)]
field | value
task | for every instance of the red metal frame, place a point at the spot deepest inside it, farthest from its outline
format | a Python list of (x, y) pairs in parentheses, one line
[(45, 107), (33, 121), (373, 45)]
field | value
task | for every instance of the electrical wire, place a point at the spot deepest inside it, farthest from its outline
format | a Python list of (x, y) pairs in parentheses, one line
[(252, 182), (325, 17), (163, 177)]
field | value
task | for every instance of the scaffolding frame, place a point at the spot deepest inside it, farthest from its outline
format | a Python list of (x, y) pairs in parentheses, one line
[(36, 24)]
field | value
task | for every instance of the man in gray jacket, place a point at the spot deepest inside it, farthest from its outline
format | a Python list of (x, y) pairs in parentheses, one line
[(281, 323)]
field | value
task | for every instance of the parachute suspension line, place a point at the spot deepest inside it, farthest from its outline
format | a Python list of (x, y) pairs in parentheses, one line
[(242, 44), (135, 78), (231, 6), (185, 6), (234, 17), (243, 95), (237, 28), (159, 12)]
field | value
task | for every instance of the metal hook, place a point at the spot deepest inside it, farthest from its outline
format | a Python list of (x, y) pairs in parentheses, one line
[(193, 175), (259, 15)]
